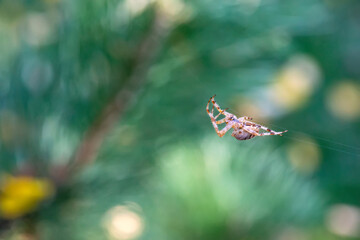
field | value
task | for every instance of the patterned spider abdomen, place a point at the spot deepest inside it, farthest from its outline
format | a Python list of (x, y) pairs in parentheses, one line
[(242, 135)]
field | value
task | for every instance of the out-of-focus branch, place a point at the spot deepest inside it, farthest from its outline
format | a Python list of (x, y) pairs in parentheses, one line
[(88, 149)]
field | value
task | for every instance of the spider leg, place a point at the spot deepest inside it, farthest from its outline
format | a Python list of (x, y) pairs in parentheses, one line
[(271, 132), (249, 130), (245, 118), (207, 108), (221, 121), (212, 99), (224, 130), (222, 112), (228, 126), (212, 110)]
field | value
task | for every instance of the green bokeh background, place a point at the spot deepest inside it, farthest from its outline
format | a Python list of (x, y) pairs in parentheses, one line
[(289, 64)]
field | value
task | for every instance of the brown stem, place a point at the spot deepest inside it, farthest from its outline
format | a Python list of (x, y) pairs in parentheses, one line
[(90, 145)]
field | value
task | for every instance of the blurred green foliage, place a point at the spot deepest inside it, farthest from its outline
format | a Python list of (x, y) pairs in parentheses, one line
[(162, 172)]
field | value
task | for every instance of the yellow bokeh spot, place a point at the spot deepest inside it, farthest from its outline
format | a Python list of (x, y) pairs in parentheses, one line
[(175, 10), (304, 155), (295, 82), (123, 222), (343, 100), (136, 7), (21, 195)]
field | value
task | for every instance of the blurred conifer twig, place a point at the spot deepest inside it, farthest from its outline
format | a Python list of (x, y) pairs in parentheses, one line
[(88, 148)]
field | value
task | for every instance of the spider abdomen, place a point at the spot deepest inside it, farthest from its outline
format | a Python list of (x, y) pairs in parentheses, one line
[(242, 135)]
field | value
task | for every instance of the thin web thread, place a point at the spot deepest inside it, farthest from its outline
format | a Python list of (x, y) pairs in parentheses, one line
[(322, 146), (316, 137)]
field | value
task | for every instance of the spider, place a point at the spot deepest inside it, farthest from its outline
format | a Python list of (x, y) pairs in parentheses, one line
[(243, 128)]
